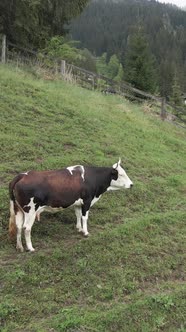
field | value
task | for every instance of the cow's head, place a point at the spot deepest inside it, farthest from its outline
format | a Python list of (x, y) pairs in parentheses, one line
[(120, 178)]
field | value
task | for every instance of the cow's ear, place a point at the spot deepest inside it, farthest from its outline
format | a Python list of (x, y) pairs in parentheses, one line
[(114, 174), (117, 164)]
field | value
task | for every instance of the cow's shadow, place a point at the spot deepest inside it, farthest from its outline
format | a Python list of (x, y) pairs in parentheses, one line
[(54, 224)]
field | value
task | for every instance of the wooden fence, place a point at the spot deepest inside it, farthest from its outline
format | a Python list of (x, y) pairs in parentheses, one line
[(11, 53)]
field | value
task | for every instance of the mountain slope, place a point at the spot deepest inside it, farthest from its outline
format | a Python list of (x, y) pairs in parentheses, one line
[(129, 275)]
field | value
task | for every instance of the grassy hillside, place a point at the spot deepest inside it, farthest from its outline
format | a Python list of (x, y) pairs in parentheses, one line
[(129, 274)]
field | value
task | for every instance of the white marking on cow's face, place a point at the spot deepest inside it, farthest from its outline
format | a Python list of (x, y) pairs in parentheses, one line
[(75, 168), (123, 181)]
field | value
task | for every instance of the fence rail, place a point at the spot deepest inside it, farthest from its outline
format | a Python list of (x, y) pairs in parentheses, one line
[(90, 80)]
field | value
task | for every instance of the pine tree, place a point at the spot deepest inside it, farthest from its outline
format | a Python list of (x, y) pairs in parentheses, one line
[(113, 66), (166, 72), (101, 65), (87, 62), (120, 74), (139, 63), (176, 97)]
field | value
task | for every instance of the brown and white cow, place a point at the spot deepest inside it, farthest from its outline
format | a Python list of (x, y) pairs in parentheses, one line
[(36, 191)]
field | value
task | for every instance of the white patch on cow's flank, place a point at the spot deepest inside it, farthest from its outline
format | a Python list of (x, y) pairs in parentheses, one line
[(79, 202), (75, 168), (31, 205)]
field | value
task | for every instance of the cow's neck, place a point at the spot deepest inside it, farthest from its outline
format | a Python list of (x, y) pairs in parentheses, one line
[(104, 179)]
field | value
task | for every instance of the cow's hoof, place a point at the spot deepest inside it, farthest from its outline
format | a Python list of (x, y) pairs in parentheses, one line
[(21, 249), (86, 234), (80, 230), (31, 250)]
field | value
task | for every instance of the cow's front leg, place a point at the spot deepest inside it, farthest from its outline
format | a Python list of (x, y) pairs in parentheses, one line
[(84, 221), (78, 216)]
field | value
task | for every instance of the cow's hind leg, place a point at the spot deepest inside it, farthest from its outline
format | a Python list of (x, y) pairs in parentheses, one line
[(19, 224), (79, 218), (28, 223)]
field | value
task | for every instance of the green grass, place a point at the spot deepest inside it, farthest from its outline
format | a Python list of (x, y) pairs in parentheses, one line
[(129, 275)]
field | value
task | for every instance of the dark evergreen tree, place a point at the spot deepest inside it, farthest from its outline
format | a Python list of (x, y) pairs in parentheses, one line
[(87, 61), (101, 65), (139, 63), (176, 96), (166, 72)]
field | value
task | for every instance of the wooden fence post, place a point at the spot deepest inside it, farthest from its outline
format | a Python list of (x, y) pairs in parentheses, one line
[(3, 51), (163, 108), (63, 67), (93, 82)]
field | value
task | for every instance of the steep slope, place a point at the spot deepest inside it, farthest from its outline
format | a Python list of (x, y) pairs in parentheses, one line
[(129, 275)]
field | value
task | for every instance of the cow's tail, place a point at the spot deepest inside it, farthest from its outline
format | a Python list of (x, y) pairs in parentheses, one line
[(13, 206), (12, 222)]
